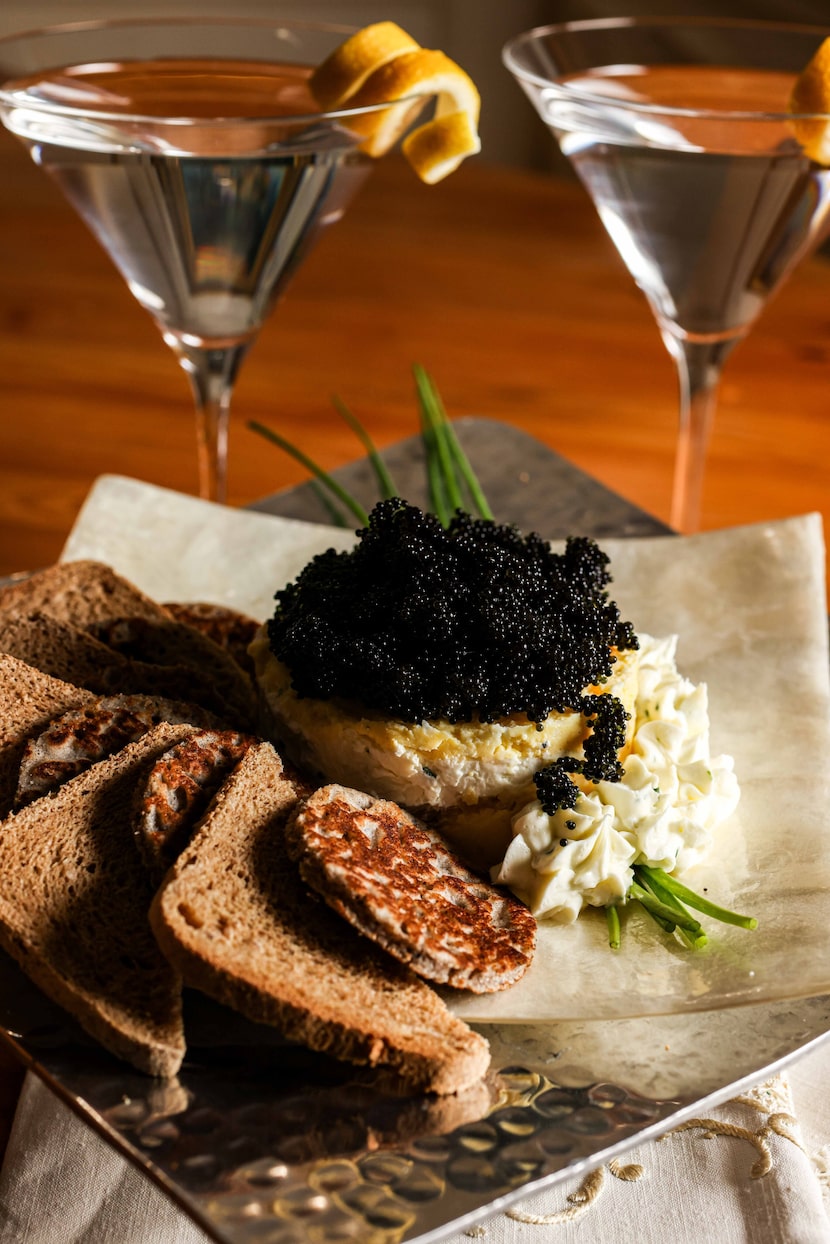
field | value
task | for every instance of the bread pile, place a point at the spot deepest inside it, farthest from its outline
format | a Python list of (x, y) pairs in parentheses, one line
[(151, 837)]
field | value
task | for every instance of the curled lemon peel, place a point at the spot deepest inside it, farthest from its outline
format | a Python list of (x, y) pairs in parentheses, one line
[(343, 73), (811, 95), (437, 148), (382, 63)]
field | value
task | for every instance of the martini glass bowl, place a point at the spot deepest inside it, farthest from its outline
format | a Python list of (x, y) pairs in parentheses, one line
[(195, 152), (680, 132)]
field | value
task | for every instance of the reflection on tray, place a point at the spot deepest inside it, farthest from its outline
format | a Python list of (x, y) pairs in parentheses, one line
[(255, 1128)]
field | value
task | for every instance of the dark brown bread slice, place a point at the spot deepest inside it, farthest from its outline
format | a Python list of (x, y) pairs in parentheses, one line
[(79, 592), (398, 882), (74, 897), (228, 628), (60, 649), (73, 655), (164, 642), (177, 792), (237, 922), (28, 700), (85, 735), (93, 597)]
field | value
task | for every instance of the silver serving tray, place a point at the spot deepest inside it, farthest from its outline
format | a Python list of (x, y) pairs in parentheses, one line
[(262, 1141)]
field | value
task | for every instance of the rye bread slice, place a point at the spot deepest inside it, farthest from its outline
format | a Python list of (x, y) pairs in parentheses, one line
[(74, 897), (166, 642), (230, 629), (28, 700), (83, 736), (235, 919), (177, 792), (73, 655), (79, 592), (93, 597), (397, 881)]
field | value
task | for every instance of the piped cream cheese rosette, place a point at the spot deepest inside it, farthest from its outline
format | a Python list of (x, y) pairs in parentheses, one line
[(382, 63)]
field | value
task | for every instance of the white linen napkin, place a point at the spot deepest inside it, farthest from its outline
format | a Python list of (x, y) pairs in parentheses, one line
[(755, 1169)]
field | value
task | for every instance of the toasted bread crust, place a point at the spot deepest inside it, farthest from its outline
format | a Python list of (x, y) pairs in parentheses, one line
[(82, 736), (28, 700), (177, 791), (79, 592), (260, 943), (396, 881)]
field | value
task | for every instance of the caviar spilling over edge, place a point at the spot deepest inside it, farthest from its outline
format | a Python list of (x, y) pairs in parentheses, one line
[(472, 621), (555, 788)]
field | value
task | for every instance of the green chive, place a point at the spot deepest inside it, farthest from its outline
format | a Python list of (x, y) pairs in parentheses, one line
[(336, 516), (460, 459), (310, 465), (654, 907), (385, 482), (431, 416), (468, 474), (612, 918), (435, 476), (665, 925), (691, 899), (695, 940)]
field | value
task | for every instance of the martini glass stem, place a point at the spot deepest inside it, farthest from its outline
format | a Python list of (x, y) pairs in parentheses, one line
[(212, 372), (699, 364)]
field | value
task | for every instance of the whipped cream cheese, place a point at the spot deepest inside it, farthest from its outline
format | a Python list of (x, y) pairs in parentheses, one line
[(662, 813)]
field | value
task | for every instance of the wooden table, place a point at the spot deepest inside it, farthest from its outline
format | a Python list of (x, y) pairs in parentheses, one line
[(502, 283)]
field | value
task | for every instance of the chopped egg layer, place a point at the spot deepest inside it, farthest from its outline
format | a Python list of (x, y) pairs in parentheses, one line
[(662, 813), (426, 764)]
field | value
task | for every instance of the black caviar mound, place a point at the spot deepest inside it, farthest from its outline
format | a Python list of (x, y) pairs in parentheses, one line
[(475, 620)]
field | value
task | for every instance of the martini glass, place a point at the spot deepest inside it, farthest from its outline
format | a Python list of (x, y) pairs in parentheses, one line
[(679, 131), (196, 154)]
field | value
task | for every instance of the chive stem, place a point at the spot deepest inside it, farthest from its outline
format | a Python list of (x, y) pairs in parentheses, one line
[(691, 899), (435, 476), (695, 940), (385, 482), (431, 412), (457, 456), (612, 918), (310, 465), (654, 907), (336, 516), (468, 475)]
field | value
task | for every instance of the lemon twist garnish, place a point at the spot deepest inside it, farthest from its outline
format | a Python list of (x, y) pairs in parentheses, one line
[(382, 63), (437, 148), (344, 72), (811, 94)]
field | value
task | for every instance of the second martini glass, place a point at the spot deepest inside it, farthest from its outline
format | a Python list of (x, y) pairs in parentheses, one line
[(680, 132), (195, 152)]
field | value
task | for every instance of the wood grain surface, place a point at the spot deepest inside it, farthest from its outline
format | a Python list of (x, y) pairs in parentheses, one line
[(501, 282)]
